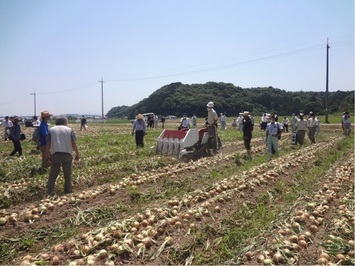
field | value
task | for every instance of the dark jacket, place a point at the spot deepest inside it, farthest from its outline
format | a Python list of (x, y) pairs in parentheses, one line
[(247, 126), (15, 131)]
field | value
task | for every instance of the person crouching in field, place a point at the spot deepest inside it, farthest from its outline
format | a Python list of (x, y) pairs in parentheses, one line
[(139, 129), (61, 142)]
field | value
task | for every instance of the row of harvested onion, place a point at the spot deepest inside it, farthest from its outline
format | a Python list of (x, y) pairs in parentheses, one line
[(301, 229), (138, 233)]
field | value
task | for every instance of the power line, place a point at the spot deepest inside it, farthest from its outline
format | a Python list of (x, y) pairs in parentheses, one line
[(261, 59)]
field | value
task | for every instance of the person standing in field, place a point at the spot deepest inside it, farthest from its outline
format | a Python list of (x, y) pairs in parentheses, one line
[(240, 122), (139, 129), (83, 123), (263, 123), (59, 152), (301, 127), (42, 142), (35, 123), (346, 124), (162, 122), (184, 122), (311, 125), (223, 120), (273, 132), (212, 120), (194, 121), (14, 136), (7, 124), (285, 124), (248, 127), (317, 125), (293, 122)]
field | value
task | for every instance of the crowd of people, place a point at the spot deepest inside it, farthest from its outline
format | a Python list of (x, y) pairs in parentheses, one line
[(57, 144)]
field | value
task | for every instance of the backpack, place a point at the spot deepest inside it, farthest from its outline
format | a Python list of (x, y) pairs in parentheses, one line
[(35, 136)]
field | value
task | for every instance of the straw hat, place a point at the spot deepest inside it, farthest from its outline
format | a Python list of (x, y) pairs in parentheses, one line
[(139, 116), (45, 114), (245, 113)]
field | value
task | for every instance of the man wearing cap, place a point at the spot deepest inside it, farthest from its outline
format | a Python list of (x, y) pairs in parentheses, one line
[(61, 142), (272, 137), (42, 136), (301, 127), (212, 120), (346, 124), (248, 127), (311, 125), (139, 129)]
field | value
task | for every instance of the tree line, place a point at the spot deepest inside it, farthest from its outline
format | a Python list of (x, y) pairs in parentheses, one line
[(178, 99)]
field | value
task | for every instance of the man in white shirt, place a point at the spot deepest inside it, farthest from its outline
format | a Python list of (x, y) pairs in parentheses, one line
[(212, 120), (293, 122), (6, 123), (311, 125), (184, 122), (61, 142), (223, 121)]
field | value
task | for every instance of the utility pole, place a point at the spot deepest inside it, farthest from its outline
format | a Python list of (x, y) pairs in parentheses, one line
[(102, 97), (326, 85), (34, 102)]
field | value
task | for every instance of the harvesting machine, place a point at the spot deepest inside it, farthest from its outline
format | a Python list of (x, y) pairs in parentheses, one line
[(186, 144)]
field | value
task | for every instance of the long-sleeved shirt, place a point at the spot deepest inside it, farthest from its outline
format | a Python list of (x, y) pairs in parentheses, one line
[(272, 129), (248, 126), (139, 125), (212, 117), (15, 131), (311, 122), (43, 133), (301, 125)]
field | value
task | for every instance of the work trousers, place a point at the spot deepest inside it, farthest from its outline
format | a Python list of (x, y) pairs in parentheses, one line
[(17, 147), (139, 136), (64, 160), (311, 134), (247, 140), (6, 136), (272, 144), (45, 164), (347, 129), (212, 130), (300, 136)]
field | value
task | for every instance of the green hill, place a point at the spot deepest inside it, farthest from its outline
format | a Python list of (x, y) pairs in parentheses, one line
[(177, 99)]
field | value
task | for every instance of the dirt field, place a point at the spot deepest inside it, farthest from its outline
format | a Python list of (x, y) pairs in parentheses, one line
[(132, 206)]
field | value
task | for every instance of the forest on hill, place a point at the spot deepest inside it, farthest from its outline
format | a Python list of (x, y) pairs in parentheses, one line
[(178, 99)]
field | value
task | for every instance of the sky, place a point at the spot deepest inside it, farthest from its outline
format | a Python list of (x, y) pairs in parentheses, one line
[(54, 53)]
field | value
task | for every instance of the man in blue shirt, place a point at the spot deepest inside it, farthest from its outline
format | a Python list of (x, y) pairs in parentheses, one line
[(43, 133)]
